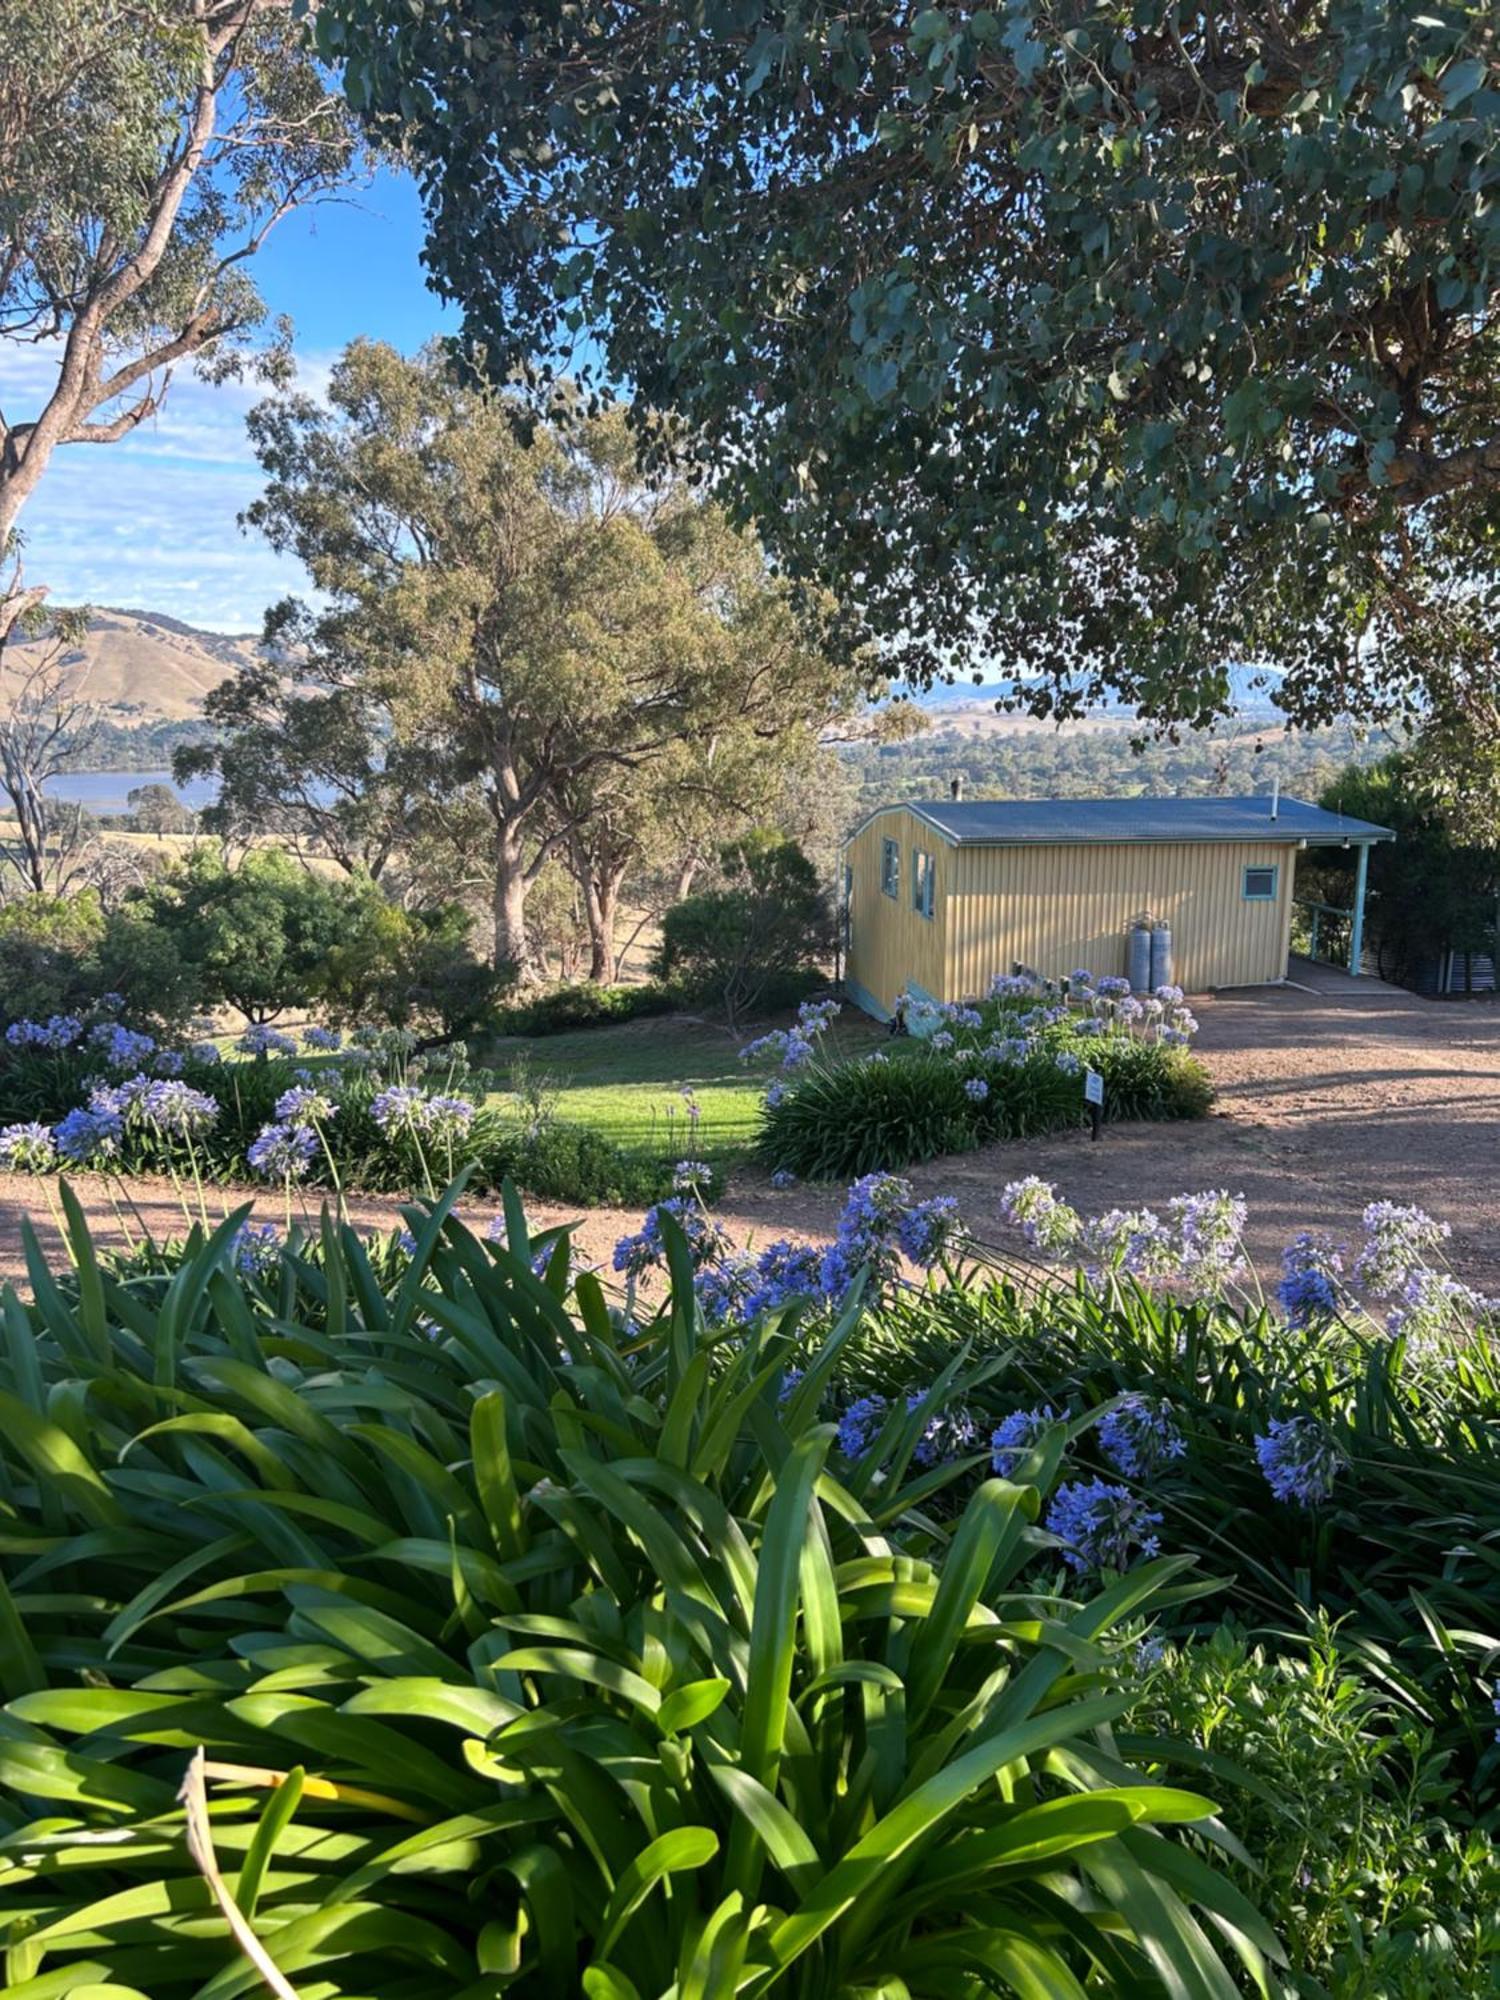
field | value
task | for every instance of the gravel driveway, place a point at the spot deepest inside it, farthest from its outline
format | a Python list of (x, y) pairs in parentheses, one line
[(1328, 1099)]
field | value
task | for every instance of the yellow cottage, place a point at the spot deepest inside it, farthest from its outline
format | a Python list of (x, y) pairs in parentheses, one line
[(941, 895)]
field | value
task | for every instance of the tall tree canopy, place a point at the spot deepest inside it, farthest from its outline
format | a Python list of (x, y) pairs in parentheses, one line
[(517, 638), (1112, 341), (146, 150)]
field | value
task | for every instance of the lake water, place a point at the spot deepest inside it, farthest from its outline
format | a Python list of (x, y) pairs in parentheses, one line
[(108, 792)]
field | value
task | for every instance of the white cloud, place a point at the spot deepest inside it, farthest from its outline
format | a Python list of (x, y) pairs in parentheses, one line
[(151, 522)]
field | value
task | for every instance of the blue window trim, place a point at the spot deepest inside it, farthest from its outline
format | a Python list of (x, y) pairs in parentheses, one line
[(923, 883), (890, 868), (1271, 868)]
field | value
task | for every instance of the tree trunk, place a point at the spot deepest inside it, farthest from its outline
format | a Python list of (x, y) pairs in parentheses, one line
[(512, 946), (602, 897)]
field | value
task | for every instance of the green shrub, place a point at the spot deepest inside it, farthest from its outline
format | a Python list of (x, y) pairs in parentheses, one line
[(837, 1122), (1338, 1794), (47, 948), (408, 969), (529, 1647), (1144, 1080), (584, 1006), (768, 923)]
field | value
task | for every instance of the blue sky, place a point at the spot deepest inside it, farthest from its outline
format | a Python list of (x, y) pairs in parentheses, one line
[(150, 523)]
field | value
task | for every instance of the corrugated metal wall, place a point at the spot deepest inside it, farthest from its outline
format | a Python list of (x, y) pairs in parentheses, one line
[(1054, 908), (890, 944)]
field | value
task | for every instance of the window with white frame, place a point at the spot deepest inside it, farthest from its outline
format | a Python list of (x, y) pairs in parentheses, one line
[(890, 867), (923, 882)]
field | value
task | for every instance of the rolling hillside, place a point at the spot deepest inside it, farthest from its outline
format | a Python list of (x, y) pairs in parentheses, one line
[(143, 667)]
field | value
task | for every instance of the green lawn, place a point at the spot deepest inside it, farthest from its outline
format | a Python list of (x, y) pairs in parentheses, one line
[(627, 1081)]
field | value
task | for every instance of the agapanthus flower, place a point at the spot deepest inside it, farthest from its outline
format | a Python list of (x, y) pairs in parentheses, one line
[(647, 1248), (964, 1016), (168, 1062), (948, 1434), (261, 1039), (1132, 1240), (1169, 996), (1015, 1436), (784, 1271), (85, 1136), (723, 1289), (1140, 1435), (123, 1048), (111, 1003), (927, 1229), (1102, 1526), (860, 1425), (1046, 1223), (176, 1109), (942, 1041), (28, 1148), (789, 1383), (1068, 1063), (691, 1174), (775, 1092), (257, 1248), (782, 1179), (305, 1104), (1300, 1459), (1433, 1303), (976, 1089), (1112, 987), (1129, 1009), (446, 1119), (283, 1152), (1311, 1265), (326, 1039), (1397, 1239), (59, 1031), (119, 1099), (690, 1104), (398, 1109), (1011, 986), (205, 1053), (1081, 977), (1208, 1235)]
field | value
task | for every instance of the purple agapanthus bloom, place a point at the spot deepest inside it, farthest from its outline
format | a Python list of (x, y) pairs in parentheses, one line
[(305, 1104), (647, 1248), (1015, 1436), (176, 1109), (948, 1434), (723, 1289), (204, 1053), (326, 1039), (1208, 1232), (1102, 1526), (123, 1048), (283, 1152), (1397, 1240), (976, 1089), (85, 1136), (257, 1248), (690, 1174), (1311, 1266), (398, 1109), (782, 1179), (28, 1148), (860, 1425), (1300, 1459), (1140, 1435), (59, 1031), (1046, 1223), (261, 1039), (784, 1271)]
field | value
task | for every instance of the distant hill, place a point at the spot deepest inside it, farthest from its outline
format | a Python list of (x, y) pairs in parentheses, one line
[(144, 667)]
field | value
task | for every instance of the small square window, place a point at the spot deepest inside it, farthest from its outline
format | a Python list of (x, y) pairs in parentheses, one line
[(923, 882), (1259, 885), (890, 867)]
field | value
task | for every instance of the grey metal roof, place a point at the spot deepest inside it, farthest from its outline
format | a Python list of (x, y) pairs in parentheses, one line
[(1049, 822)]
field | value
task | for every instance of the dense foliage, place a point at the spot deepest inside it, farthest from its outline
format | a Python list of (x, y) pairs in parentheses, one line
[(462, 1579), (266, 937), (1010, 1068), (1429, 892), (1116, 343), (768, 923)]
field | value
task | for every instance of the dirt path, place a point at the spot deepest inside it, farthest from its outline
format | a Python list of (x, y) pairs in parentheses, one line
[(1327, 1101)]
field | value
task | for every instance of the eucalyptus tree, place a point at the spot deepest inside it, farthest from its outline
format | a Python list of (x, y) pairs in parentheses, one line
[(147, 148), (516, 615), (1112, 344)]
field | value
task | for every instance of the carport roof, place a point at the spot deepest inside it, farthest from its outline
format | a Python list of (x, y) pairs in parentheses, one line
[(1052, 822)]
